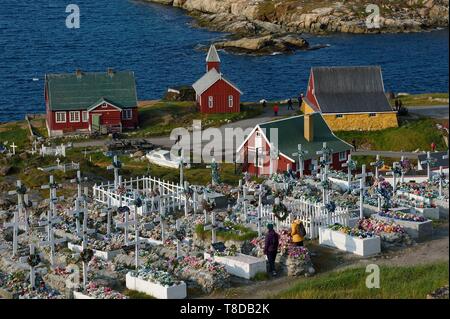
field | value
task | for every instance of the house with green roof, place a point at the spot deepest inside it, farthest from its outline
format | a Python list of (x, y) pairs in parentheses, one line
[(87, 102), (273, 147)]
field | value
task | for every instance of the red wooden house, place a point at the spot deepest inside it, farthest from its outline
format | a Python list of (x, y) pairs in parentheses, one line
[(90, 102), (310, 130), (214, 93)]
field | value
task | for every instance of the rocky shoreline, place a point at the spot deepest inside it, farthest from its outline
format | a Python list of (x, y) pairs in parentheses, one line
[(268, 26)]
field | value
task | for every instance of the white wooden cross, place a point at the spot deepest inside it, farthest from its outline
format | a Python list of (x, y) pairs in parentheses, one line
[(58, 161), (362, 188), (351, 165), (429, 161), (178, 228), (15, 224), (181, 167), (212, 227), (32, 270), (326, 153), (378, 164), (13, 146), (324, 189), (244, 202), (51, 241), (393, 172), (52, 186), (274, 154), (21, 191), (301, 159), (137, 204), (116, 165), (186, 199), (259, 210), (34, 148), (125, 225)]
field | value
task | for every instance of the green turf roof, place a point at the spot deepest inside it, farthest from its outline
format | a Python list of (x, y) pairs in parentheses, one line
[(291, 133), (72, 92)]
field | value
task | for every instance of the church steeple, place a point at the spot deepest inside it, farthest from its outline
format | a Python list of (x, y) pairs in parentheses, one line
[(212, 59)]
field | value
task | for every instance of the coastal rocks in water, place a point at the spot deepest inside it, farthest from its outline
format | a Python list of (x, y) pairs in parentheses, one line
[(264, 45)]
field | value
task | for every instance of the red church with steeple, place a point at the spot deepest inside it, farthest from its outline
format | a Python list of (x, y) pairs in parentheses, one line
[(214, 93)]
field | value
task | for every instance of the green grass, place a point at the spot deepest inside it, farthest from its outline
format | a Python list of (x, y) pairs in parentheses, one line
[(238, 233), (261, 276), (15, 132), (410, 136), (162, 117), (395, 283), (422, 99), (133, 294)]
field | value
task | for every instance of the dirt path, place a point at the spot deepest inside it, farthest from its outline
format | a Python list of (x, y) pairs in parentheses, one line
[(329, 260)]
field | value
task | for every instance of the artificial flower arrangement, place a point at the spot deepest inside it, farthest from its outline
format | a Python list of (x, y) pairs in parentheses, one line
[(354, 232), (98, 292), (18, 285), (229, 251), (377, 226), (160, 277), (402, 216)]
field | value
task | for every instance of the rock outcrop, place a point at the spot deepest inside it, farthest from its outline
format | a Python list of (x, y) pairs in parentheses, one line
[(251, 18)]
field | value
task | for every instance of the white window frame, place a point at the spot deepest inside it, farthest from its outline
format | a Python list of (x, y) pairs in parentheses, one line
[(210, 101), (339, 116), (127, 114), (58, 115), (76, 115), (372, 114), (230, 101), (85, 116), (342, 156)]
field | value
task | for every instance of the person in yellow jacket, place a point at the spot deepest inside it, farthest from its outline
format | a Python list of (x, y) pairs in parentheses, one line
[(298, 232)]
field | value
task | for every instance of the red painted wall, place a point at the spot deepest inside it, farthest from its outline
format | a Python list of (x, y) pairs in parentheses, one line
[(220, 91), (283, 162), (213, 65), (109, 116)]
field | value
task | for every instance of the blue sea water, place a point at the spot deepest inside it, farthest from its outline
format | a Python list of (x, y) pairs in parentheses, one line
[(159, 44)]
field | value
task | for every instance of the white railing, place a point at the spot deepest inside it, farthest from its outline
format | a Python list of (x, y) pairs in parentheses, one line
[(313, 216), (172, 195)]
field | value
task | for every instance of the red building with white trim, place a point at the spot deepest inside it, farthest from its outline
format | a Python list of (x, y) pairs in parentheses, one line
[(90, 102), (310, 131), (214, 93)]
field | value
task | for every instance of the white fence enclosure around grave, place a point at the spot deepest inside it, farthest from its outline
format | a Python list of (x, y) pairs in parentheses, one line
[(313, 216), (172, 195)]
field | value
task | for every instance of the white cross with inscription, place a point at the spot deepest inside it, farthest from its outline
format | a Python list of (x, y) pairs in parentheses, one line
[(301, 159), (125, 225), (395, 166), (429, 161), (20, 191), (377, 164)]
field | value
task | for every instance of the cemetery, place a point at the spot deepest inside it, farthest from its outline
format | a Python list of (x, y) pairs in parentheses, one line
[(76, 236)]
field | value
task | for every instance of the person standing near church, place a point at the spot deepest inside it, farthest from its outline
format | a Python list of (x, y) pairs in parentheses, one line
[(271, 248), (290, 104), (300, 101)]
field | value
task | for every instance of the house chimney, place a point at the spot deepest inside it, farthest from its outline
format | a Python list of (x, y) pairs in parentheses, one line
[(110, 72), (78, 73), (308, 127)]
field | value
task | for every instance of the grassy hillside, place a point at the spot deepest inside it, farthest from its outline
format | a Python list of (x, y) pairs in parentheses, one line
[(395, 283)]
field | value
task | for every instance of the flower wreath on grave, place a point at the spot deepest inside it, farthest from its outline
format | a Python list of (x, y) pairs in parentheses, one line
[(21, 190), (180, 234), (330, 207), (123, 209), (208, 205), (280, 211), (33, 260), (86, 255), (229, 251), (325, 184)]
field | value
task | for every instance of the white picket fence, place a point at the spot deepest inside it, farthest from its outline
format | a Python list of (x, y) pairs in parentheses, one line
[(53, 151), (313, 216), (172, 195)]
